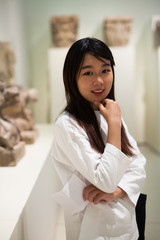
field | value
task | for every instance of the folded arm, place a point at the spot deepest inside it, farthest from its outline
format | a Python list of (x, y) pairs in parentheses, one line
[(95, 195)]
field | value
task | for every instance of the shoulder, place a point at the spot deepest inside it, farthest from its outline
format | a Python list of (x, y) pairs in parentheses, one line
[(65, 120), (62, 118), (67, 124)]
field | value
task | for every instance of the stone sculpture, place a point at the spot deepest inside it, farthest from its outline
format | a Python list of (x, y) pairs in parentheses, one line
[(158, 26), (15, 109), (117, 30), (12, 148), (64, 30), (17, 126), (156, 30), (7, 61)]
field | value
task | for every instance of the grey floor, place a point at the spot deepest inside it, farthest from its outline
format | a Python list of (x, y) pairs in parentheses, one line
[(151, 188)]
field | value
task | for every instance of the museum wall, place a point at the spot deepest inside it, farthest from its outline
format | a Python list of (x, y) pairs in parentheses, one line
[(26, 24), (12, 29)]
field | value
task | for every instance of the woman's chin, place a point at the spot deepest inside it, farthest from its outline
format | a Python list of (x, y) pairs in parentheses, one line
[(95, 106)]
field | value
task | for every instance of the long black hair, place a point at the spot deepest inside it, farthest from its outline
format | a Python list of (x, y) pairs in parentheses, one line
[(79, 107)]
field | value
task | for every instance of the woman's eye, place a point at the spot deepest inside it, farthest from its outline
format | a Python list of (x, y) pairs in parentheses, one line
[(106, 71), (87, 73)]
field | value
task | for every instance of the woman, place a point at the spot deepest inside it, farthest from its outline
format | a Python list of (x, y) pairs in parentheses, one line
[(92, 148)]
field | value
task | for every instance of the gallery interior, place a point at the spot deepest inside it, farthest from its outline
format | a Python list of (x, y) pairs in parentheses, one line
[(28, 31)]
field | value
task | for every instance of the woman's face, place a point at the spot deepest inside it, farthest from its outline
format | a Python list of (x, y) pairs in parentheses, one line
[(95, 79)]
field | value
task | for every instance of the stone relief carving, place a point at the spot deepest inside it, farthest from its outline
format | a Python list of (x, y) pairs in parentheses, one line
[(64, 30), (17, 126), (156, 30), (158, 25), (117, 30), (7, 61)]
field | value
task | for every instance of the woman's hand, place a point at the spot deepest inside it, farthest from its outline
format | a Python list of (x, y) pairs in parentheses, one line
[(95, 195), (112, 113)]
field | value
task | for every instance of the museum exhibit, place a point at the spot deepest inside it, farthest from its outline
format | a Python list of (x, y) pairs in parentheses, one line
[(35, 37)]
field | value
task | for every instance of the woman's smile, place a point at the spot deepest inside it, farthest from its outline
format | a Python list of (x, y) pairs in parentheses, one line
[(98, 92)]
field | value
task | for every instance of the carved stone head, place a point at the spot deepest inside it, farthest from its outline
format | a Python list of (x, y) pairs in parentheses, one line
[(117, 30), (64, 30)]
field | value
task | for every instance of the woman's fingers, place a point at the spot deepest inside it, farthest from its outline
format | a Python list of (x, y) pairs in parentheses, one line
[(107, 197), (98, 198), (95, 195), (90, 192), (87, 190), (111, 111)]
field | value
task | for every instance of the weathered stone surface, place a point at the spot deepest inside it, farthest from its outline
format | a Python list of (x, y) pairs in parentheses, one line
[(17, 126), (14, 107), (30, 136), (64, 30), (10, 157), (7, 61), (117, 30)]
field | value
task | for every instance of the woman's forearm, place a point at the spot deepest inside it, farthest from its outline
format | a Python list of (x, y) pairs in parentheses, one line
[(114, 136)]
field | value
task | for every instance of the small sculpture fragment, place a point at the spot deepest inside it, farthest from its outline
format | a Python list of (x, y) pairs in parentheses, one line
[(15, 109), (16, 119), (156, 30), (117, 30), (11, 148), (64, 30), (158, 25), (7, 61)]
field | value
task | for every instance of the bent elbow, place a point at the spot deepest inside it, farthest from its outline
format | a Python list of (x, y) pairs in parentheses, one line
[(106, 184)]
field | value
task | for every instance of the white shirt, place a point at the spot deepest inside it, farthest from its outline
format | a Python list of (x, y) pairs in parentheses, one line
[(73, 155)]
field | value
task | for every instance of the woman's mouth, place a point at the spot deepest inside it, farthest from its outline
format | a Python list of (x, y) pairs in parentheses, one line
[(98, 92)]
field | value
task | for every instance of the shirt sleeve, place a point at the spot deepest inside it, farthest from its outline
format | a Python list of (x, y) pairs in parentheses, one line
[(133, 179), (72, 147)]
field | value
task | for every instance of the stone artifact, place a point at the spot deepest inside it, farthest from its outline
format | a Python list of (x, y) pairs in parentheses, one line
[(64, 30), (12, 149), (117, 30), (16, 122), (17, 126), (156, 30), (158, 25), (15, 109), (7, 61)]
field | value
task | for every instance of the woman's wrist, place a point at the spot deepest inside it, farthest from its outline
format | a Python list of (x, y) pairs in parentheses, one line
[(114, 137), (119, 193)]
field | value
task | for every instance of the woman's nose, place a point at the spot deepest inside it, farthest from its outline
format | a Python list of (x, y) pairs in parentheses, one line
[(98, 80)]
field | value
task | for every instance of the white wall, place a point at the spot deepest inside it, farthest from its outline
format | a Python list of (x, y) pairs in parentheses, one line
[(12, 30), (152, 79)]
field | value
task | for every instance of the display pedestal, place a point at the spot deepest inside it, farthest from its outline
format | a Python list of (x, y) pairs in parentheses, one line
[(125, 84), (153, 95), (56, 57), (158, 99), (27, 210)]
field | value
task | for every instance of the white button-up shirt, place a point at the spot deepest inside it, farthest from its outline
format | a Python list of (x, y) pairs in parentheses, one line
[(73, 155)]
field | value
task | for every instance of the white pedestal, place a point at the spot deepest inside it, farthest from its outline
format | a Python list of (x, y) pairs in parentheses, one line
[(56, 57), (153, 96), (159, 99), (125, 84), (27, 210)]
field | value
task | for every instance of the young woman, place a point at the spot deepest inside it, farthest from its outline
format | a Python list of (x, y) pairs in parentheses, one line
[(92, 144)]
